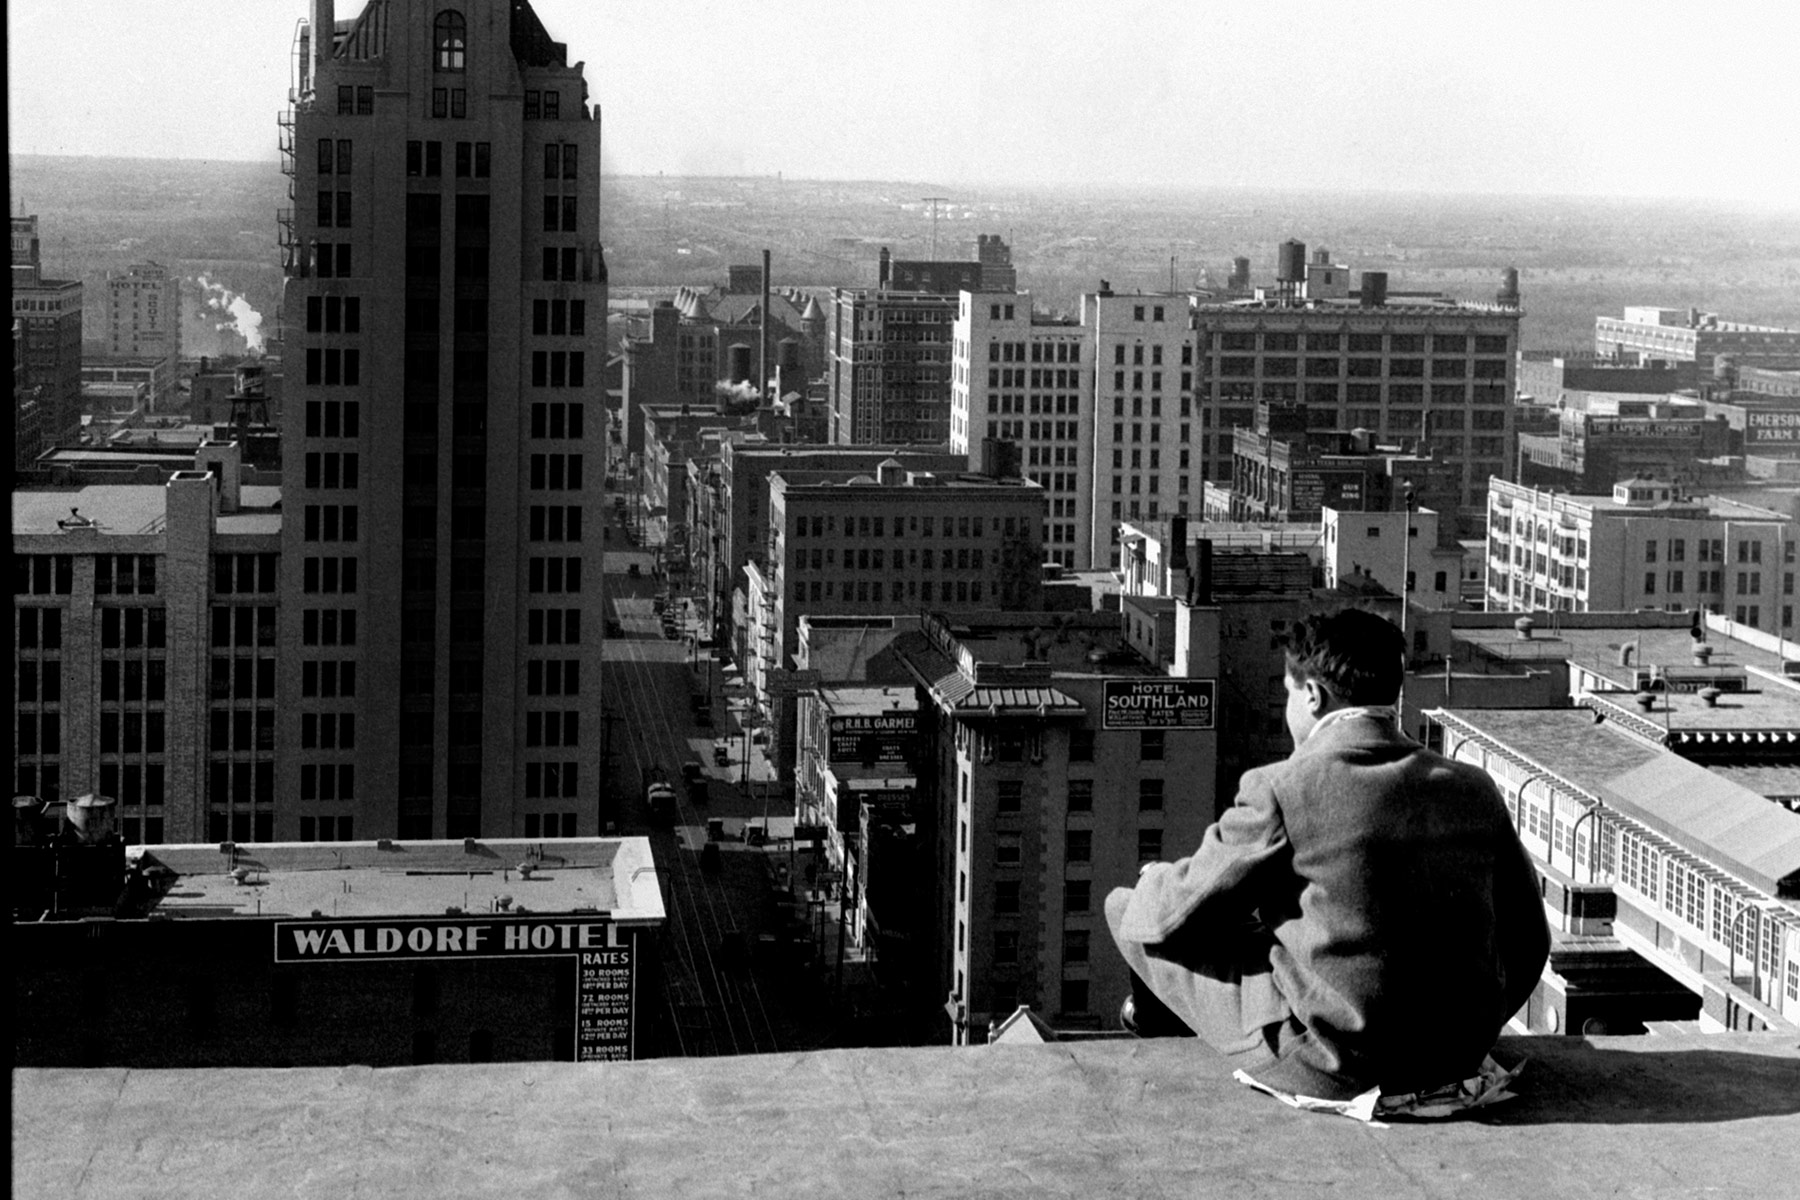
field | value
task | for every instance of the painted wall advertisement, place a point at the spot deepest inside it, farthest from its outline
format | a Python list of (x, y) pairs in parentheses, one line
[(1159, 703), (603, 956), (873, 738), (1772, 427)]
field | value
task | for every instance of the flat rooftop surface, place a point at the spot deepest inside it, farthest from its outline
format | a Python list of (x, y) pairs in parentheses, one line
[(365, 879), (114, 507), (1662, 1116)]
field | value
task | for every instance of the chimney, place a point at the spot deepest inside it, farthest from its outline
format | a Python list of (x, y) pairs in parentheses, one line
[(762, 338), (1203, 572), (324, 31), (225, 462), (1180, 584), (886, 268)]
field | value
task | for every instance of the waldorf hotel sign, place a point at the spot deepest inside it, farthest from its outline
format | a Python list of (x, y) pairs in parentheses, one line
[(1159, 703), (603, 956)]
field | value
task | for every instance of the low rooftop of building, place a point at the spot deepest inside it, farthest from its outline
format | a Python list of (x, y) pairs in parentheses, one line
[(614, 876), (116, 508), (1721, 821), (1674, 1115)]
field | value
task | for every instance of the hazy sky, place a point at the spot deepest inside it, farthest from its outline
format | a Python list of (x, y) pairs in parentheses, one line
[(1574, 96)]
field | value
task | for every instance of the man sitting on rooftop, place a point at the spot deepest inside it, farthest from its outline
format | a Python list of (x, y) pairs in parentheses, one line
[(1363, 916)]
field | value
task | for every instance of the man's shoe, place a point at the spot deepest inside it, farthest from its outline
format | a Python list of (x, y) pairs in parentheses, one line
[(1128, 1016)]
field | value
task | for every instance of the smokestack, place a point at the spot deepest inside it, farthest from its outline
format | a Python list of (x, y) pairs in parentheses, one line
[(762, 366), (324, 31), (1180, 582), (887, 263)]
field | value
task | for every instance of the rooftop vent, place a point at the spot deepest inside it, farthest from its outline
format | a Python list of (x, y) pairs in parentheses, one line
[(1523, 627)]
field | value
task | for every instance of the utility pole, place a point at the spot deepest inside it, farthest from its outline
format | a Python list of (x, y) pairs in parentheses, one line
[(934, 201)]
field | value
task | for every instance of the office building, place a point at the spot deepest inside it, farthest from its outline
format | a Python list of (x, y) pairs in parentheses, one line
[(1283, 471), (143, 310), (1017, 375), (895, 540), (1147, 424), (730, 525), (1643, 546), (890, 347), (146, 664), (49, 310), (442, 427), (1422, 368), (1648, 335), (1600, 440)]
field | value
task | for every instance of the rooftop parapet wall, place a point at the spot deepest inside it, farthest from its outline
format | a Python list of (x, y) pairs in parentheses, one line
[(1650, 1116)]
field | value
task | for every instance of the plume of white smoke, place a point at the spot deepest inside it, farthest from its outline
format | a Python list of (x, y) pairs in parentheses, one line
[(237, 312), (735, 394)]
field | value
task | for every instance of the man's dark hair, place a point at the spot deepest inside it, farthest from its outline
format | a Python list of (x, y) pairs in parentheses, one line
[(1356, 655)]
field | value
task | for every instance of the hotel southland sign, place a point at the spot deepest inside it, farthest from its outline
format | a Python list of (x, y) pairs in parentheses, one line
[(603, 956), (1159, 703)]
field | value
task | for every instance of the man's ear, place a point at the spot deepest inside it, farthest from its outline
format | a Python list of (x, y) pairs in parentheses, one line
[(1318, 700)]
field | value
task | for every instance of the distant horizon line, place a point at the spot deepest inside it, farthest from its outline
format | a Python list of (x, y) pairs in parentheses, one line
[(1785, 204)]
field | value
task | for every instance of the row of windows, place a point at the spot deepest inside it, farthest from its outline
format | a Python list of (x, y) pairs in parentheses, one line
[(1078, 896), (134, 785), (563, 264), (561, 728), (474, 160), (558, 368), (328, 678), (553, 677), (552, 825), (38, 733), (555, 472), (546, 104), (327, 781), (131, 628), (334, 314), (870, 526), (334, 156), (243, 679), (328, 627), (553, 575), (553, 626), (355, 101), (555, 523), (557, 420), (1360, 343), (242, 730), (328, 575), (962, 591), (864, 559), (450, 102), (331, 469), (133, 680), (132, 733), (558, 317), (327, 829), (39, 682), (124, 574), (328, 731), (551, 779), (329, 260), (560, 214), (329, 522), (334, 209), (333, 367)]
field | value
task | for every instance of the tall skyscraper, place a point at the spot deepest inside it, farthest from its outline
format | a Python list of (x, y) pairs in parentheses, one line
[(445, 300), (50, 312)]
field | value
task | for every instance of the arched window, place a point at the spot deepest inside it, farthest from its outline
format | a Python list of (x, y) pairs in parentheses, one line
[(451, 38)]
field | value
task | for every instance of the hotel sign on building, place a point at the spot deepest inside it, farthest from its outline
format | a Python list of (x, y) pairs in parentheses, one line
[(602, 954), (1768, 427), (1159, 703)]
